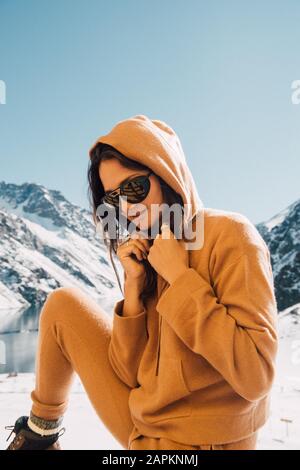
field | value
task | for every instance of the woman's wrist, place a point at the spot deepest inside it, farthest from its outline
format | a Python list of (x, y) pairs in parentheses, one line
[(135, 283), (133, 305)]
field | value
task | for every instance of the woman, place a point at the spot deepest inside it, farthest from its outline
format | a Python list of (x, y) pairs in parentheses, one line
[(188, 360)]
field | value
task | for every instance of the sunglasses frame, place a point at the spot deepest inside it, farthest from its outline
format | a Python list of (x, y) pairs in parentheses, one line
[(119, 189)]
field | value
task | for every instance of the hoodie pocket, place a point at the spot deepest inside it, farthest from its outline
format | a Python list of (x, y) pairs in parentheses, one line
[(169, 398)]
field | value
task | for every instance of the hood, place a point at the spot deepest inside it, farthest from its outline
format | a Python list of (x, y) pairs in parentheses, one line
[(155, 144)]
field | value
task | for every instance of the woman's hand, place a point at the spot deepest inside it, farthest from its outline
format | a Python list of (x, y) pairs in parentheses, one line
[(168, 256), (131, 257)]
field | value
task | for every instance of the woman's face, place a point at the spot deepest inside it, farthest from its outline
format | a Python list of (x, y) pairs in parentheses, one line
[(112, 173)]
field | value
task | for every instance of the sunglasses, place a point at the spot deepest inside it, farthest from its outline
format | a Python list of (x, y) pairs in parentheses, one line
[(135, 189)]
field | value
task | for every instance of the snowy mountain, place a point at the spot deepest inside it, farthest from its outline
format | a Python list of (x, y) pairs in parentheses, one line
[(282, 235), (47, 242)]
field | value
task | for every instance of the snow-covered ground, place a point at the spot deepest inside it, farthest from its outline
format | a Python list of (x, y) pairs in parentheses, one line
[(84, 430)]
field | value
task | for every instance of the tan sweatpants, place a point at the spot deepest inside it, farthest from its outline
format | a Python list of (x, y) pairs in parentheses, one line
[(74, 334)]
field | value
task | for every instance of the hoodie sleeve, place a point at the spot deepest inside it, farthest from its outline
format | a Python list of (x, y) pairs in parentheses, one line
[(128, 340), (233, 322)]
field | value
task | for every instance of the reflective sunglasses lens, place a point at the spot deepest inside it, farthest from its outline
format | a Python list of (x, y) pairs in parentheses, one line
[(137, 189)]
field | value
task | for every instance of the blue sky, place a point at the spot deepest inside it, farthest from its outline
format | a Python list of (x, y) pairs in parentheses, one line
[(218, 72)]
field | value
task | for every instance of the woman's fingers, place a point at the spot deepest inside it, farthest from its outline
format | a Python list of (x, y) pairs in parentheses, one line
[(144, 241), (134, 246), (136, 242), (140, 245), (138, 253)]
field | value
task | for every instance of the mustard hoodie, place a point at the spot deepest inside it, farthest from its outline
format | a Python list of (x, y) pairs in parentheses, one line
[(200, 358)]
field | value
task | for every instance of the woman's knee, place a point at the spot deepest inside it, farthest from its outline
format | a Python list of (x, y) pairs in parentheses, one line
[(69, 304), (58, 303)]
